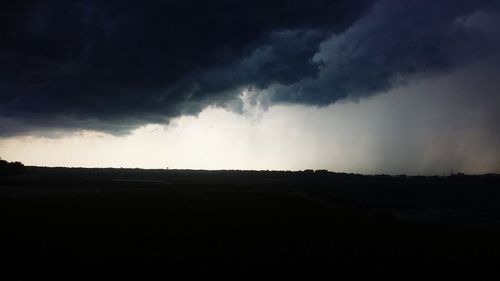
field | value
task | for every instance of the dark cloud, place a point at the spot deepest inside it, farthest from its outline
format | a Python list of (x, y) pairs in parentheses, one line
[(114, 65), (396, 40)]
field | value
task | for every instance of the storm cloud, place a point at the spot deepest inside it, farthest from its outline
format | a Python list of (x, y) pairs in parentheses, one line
[(115, 65)]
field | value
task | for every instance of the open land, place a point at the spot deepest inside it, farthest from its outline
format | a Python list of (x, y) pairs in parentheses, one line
[(85, 224)]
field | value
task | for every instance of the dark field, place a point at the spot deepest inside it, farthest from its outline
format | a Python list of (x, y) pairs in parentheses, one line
[(115, 224)]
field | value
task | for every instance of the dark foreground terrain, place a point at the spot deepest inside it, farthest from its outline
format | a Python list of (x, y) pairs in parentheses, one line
[(116, 224)]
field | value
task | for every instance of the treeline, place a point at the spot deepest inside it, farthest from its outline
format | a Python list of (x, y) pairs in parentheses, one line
[(131, 173), (11, 168)]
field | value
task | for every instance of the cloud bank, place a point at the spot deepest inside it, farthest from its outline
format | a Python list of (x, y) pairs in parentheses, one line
[(115, 65)]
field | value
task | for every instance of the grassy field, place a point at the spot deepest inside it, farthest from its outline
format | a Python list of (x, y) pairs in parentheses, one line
[(79, 224)]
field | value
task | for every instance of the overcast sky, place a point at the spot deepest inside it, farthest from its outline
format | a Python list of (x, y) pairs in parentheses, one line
[(354, 86)]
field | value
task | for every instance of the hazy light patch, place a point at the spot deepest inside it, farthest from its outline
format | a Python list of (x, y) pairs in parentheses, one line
[(434, 126)]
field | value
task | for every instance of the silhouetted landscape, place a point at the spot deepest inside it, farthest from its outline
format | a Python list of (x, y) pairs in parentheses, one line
[(86, 224)]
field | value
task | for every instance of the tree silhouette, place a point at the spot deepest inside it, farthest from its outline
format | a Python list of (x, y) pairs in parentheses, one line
[(11, 168)]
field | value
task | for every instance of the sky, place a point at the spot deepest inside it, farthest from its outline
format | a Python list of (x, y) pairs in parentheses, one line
[(395, 87)]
